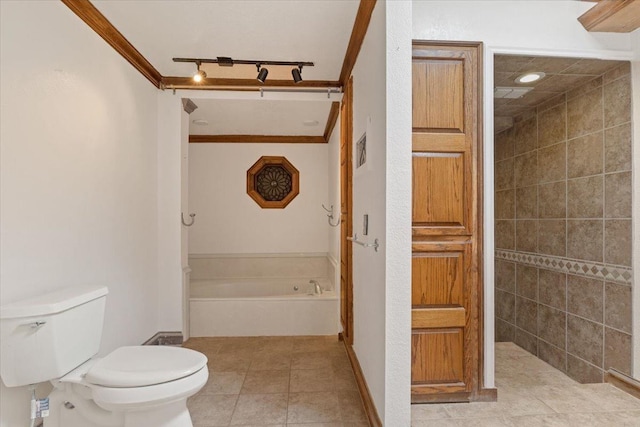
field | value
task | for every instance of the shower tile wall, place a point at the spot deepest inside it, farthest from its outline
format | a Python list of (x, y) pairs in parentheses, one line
[(563, 229)]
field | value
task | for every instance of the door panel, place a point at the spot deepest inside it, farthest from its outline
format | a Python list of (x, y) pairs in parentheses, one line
[(438, 99), (437, 279), (437, 357), (446, 280), (438, 189)]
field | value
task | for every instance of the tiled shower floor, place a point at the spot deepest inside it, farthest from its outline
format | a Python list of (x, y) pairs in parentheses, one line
[(533, 393), (276, 381)]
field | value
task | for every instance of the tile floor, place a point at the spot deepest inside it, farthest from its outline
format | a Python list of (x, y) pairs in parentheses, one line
[(276, 381), (308, 382), (533, 393)]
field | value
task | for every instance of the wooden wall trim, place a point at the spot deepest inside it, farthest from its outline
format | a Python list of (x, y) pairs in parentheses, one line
[(188, 83), (331, 120), (620, 16), (279, 139), (367, 400), (623, 382), (360, 26), (101, 25)]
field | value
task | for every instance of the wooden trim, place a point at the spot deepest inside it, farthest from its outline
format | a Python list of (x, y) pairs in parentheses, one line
[(623, 382), (460, 397), (438, 317), (268, 139), (365, 394), (360, 26), (188, 83), (255, 170), (486, 395), (620, 16), (331, 120), (483, 394), (101, 25)]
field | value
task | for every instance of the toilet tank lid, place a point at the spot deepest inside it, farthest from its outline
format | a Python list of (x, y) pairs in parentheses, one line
[(52, 302)]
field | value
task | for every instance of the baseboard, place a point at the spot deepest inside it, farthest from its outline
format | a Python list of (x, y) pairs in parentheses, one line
[(486, 395), (623, 382), (369, 406), (165, 338)]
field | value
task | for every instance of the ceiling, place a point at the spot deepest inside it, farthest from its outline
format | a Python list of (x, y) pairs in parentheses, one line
[(276, 30), (265, 117), (561, 75)]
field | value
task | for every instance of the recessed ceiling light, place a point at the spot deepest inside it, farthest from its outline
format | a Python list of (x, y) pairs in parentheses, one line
[(311, 123), (200, 122), (530, 77)]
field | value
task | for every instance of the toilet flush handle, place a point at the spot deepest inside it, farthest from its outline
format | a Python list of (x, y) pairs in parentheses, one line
[(36, 324)]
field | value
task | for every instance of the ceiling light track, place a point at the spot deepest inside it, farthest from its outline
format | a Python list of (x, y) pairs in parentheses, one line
[(225, 61)]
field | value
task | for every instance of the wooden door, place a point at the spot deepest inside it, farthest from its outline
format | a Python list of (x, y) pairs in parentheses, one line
[(446, 221), (346, 226)]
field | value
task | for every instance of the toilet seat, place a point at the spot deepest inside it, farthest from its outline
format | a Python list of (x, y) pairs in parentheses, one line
[(139, 366), (162, 374)]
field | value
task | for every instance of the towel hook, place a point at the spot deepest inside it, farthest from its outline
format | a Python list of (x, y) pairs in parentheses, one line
[(192, 219), (330, 216)]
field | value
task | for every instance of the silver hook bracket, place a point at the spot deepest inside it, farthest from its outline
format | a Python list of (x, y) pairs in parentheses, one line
[(192, 219), (330, 216)]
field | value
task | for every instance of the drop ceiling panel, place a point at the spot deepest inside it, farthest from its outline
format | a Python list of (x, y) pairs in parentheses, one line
[(277, 30), (261, 117)]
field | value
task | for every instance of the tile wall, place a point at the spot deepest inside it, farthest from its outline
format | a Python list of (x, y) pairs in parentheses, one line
[(563, 229)]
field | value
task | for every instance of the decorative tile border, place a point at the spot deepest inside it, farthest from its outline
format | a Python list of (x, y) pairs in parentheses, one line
[(595, 270)]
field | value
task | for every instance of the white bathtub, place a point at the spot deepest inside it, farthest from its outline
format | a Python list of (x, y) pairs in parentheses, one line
[(255, 307)]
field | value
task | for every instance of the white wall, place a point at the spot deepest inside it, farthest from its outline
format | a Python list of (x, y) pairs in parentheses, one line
[(398, 212), (547, 28), (78, 174), (333, 198), (369, 187), (170, 251), (229, 221)]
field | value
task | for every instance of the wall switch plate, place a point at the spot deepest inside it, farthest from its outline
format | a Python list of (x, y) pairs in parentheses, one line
[(365, 225)]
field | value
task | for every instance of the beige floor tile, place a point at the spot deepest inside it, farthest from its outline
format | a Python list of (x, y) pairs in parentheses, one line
[(344, 379), (473, 410), (229, 363), (211, 410), (428, 412), (270, 362), (313, 408), (260, 409), (351, 408), (610, 398), (223, 383), (262, 382), (311, 360), (311, 380)]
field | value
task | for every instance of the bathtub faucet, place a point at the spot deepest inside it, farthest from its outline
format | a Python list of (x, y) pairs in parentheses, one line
[(317, 289)]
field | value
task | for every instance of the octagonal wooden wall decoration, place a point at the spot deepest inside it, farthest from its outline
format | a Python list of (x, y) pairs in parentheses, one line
[(273, 182)]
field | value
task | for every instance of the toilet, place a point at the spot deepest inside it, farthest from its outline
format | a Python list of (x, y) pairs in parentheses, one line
[(55, 337)]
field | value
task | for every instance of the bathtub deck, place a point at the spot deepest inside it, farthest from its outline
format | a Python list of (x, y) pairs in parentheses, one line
[(276, 381)]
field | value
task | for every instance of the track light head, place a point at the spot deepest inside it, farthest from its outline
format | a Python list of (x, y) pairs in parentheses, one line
[(262, 73), (297, 78), (199, 75)]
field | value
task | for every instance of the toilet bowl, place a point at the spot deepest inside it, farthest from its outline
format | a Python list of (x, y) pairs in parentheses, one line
[(55, 337), (132, 386)]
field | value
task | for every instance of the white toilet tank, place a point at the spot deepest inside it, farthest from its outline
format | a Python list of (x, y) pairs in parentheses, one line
[(47, 336)]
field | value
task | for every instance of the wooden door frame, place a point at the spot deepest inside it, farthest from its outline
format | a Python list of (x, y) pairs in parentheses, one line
[(346, 199)]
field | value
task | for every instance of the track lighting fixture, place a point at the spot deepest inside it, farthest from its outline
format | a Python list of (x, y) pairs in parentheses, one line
[(225, 61), (297, 78), (200, 74), (262, 73)]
